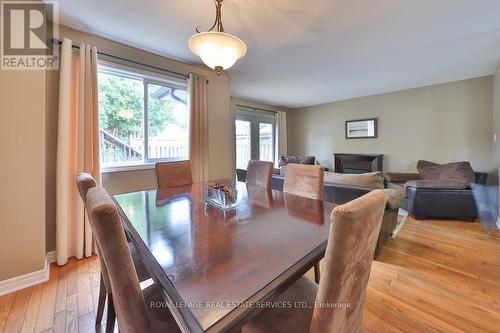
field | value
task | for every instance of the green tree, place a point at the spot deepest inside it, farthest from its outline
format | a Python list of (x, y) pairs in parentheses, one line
[(121, 108), (160, 112)]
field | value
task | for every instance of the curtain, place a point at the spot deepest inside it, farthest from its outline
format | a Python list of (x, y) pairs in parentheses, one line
[(281, 137), (198, 126), (77, 147)]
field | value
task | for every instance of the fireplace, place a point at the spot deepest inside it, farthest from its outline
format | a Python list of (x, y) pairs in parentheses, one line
[(357, 163)]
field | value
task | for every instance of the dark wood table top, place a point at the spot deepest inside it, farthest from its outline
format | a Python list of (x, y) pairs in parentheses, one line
[(210, 262)]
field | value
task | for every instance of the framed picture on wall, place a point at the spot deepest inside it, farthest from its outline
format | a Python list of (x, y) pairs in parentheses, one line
[(361, 129)]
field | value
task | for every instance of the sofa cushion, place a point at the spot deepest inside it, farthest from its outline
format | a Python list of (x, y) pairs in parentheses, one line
[(394, 197), (285, 159), (372, 180), (423, 163), (437, 184), (460, 172)]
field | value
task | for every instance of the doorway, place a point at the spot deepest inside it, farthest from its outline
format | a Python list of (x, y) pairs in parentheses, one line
[(255, 136)]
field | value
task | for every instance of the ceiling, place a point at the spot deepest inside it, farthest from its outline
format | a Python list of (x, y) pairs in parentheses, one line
[(311, 52)]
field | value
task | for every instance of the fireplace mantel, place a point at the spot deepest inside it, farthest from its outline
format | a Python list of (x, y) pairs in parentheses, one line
[(358, 163)]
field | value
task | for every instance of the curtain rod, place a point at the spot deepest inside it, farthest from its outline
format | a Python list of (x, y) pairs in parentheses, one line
[(184, 75), (256, 109)]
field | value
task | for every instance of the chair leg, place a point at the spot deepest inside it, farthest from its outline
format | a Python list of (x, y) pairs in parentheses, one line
[(110, 322), (101, 303), (316, 272)]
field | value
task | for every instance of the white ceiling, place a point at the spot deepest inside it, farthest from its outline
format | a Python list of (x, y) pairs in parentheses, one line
[(310, 52)]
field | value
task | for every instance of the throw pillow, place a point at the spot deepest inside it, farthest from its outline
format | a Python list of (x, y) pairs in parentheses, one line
[(457, 171), (285, 159)]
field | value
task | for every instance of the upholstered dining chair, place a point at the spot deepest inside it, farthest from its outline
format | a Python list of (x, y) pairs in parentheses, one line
[(133, 306), (169, 174), (336, 305), (304, 180), (84, 182), (259, 173)]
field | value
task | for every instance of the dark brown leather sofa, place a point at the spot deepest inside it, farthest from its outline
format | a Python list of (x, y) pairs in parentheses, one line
[(440, 198), (438, 201)]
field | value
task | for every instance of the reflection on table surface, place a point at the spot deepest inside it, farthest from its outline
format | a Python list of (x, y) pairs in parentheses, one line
[(203, 249)]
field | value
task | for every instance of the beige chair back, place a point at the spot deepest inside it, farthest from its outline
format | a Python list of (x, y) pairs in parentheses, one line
[(348, 260), (84, 182), (259, 173), (169, 174), (304, 180), (110, 235)]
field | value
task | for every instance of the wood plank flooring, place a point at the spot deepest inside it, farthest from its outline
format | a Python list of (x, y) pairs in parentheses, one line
[(65, 303), (437, 276)]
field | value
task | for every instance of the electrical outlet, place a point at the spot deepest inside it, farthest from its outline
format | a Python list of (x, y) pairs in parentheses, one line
[(495, 137)]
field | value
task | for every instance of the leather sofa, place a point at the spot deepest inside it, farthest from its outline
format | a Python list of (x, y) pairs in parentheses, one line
[(437, 200)]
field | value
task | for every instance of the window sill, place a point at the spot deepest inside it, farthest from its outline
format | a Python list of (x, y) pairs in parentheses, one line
[(125, 168), (139, 165)]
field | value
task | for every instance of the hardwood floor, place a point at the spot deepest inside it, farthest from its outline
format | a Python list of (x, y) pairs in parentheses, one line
[(65, 303), (437, 276)]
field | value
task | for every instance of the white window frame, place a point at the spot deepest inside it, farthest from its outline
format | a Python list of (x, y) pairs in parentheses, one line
[(146, 77)]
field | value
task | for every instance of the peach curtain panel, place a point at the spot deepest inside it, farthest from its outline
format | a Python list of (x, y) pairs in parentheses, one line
[(77, 147), (281, 137), (198, 130)]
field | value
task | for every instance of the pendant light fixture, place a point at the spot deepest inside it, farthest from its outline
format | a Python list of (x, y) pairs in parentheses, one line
[(217, 49)]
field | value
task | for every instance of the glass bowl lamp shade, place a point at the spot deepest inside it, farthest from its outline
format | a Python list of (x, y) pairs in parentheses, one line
[(218, 50)]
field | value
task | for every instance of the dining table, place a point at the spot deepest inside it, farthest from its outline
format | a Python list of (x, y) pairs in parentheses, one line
[(218, 268)]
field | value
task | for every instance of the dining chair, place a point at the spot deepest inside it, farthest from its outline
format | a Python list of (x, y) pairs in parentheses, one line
[(336, 305), (84, 182), (259, 173), (135, 309), (169, 174), (304, 180)]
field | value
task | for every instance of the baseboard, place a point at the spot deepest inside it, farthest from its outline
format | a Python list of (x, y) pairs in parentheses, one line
[(29, 279)]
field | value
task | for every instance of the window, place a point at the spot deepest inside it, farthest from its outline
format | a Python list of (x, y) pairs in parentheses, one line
[(143, 117), (255, 136)]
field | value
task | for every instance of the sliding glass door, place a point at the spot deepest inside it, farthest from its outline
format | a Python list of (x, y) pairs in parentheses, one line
[(255, 136), (243, 143)]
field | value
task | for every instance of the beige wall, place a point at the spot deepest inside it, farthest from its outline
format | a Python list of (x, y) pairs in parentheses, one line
[(496, 116), (22, 195), (441, 123), (219, 117)]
